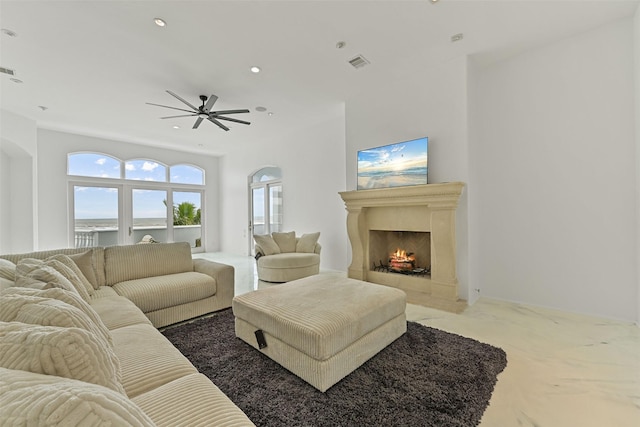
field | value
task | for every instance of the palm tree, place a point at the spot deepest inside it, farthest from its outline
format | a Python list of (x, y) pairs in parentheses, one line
[(185, 213)]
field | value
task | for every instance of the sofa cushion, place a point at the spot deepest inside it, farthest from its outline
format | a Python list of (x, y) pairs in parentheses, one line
[(130, 262), (195, 400), (292, 260), (286, 241), (148, 359), (86, 264), (155, 293), (66, 352), (7, 270), (307, 243), (118, 312), (31, 399), (267, 244), (68, 297)]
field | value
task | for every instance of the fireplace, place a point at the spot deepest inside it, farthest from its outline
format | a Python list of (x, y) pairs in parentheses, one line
[(404, 252), (419, 220)]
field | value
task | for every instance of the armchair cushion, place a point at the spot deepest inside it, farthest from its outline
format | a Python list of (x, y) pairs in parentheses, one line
[(267, 244), (307, 243), (286, 241)]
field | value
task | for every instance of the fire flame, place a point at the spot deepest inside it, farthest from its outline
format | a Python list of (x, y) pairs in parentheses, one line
[(401, 255)]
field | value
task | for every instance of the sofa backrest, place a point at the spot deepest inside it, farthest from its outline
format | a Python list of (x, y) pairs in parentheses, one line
[(130, 262), (97, 259)]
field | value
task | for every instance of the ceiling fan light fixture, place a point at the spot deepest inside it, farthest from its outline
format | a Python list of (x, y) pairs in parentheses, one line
[(203, 115)]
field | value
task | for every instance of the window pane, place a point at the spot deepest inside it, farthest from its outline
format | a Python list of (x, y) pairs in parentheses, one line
[(185, 174), (149, 215), (95, 214), (267, 174), (275, 207), (258, 211), (93, 164), (187, 211), (145, 170)]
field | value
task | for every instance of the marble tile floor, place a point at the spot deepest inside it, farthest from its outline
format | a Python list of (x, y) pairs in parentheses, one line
[(563, 369)]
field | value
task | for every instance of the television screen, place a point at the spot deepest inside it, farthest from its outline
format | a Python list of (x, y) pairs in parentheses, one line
[(394, 165)]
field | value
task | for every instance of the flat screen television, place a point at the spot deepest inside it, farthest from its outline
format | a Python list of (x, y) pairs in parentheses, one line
[(394, 165)]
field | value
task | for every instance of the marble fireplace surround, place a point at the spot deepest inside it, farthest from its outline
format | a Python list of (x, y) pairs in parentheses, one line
[(422, 208)]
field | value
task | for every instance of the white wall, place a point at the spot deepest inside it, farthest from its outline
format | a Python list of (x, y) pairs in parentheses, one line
[(18, 190), (423, 101), (53, 147), (312, 162), (553, 162), (636, 55)]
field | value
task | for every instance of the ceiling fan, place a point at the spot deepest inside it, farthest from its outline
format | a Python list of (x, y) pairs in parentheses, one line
[(204, 111)]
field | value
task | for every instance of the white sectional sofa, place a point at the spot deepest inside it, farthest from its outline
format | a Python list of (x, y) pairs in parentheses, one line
[(77, 349)]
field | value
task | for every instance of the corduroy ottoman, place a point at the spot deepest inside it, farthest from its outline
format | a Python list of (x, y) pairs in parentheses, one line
[(321, 328)]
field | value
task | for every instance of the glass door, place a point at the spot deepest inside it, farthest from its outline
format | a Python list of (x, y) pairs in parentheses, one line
[(149, 216), (96, 213)]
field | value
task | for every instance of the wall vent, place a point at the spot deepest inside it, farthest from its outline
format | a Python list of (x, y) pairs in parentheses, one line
[(359, 61), (7, 71)]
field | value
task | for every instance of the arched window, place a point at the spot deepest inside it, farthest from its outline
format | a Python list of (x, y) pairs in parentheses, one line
[(186, 174), (93, 164), (145, 170), (269, 173)]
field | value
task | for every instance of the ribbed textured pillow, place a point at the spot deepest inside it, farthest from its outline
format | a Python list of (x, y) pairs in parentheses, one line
[(29, 399), (66, 352), (7, 270), (286, 241), (32, 273), (268, 245), (70, 298), (85, 263), (37, 310), (78, 278)]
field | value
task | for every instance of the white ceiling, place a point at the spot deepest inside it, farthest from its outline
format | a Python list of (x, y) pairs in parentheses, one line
[(94, 64)]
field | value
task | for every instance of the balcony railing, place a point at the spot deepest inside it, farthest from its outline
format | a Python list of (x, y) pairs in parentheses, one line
[(109, 236)]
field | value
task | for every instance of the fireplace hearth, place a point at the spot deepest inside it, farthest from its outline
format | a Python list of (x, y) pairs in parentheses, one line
[(405, 237)]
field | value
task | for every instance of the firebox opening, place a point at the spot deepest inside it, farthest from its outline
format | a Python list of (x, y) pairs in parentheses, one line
[(405, 252)]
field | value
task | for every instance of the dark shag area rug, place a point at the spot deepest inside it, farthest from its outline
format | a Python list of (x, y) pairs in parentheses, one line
[(427, 377)]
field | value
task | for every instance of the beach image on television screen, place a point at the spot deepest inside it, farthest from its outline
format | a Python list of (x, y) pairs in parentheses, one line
[(394, 165)]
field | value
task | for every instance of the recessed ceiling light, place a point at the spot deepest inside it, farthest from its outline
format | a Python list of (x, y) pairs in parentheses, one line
[(176, 127), (261, 109), (160, 22), (43, 108), (457, 37), (340, 45), (255, 69), (270, 113)]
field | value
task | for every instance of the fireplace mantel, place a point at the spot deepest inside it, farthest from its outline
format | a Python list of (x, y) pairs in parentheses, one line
[(423, 208)]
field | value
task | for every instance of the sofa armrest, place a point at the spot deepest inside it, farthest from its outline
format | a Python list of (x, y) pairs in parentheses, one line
[(317, 248), (259, 251), (222, 273)]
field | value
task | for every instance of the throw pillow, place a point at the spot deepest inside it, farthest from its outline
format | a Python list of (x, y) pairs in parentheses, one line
[(71, 298), (7, 270), (66, 352), (307, 242), (286, 241), (84, 261), (78, 277), (33, 399), (32, 273), (268, 245)]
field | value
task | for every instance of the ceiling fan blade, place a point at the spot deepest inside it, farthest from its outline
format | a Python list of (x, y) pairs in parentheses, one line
[(176, 96), (166, 106), (197, 123), (232, 120), (182, 115), (213, 120), (229, 112), (212, 100)]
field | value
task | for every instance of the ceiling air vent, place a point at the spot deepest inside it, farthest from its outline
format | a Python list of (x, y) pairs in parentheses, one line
[(359, 61), (7, 71)]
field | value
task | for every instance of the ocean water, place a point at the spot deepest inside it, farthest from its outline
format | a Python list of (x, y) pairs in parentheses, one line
[(391, 178), (90, 224)]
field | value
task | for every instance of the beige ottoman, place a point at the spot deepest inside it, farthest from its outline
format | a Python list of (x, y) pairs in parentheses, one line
[(321, 328)]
